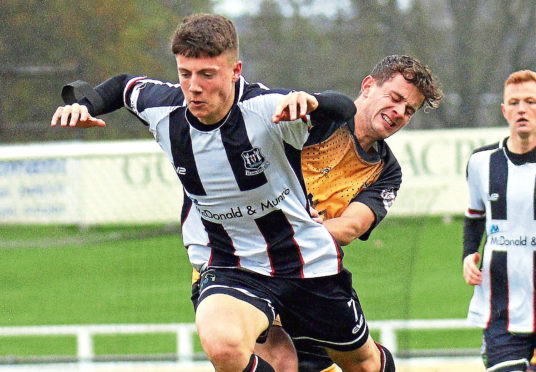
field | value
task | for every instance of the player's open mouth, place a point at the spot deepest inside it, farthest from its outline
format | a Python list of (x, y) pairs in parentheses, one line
[(387, 120), (522, 122)]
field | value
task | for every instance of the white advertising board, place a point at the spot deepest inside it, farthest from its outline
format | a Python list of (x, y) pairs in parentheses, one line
[(133, 181), (88, 183), (433, 168)]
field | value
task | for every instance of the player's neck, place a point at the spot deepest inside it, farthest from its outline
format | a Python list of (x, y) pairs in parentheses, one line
[(521, 145), (363, 136), (365, 140)]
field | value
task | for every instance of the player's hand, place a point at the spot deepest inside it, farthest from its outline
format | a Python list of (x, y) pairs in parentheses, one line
[(471, 273), (293, 106), (316, 216), (75, 115)]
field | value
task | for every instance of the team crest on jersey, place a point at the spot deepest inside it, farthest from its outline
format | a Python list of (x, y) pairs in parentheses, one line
[(388, 196), (254, 161)]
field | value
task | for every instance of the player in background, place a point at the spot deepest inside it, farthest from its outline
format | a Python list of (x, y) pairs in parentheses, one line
[(502, 203), (235, 147)]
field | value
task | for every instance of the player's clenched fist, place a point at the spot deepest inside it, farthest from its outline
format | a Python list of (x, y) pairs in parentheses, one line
[(75, 115)]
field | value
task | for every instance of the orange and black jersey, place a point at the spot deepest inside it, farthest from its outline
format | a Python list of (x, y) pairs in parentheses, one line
[(338, 171)]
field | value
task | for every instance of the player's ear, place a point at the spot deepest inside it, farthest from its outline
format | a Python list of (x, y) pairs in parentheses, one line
[(237, 71), (367, 83), (503, 110)]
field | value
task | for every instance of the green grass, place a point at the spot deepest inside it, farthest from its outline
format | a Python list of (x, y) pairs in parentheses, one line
[(118, 281), (38, 345), (410, 268), (439, 339), (135, 344)]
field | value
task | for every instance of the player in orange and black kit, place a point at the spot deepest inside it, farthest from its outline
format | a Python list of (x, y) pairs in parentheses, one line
[(350, 172), (339, 173)]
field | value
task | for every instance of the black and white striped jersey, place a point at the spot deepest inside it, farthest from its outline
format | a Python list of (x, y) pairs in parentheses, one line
[(245, 202), (502, 186)]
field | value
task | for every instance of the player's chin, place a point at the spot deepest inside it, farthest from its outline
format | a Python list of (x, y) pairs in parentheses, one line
[(385, 130), (391, 129), (197, 112)]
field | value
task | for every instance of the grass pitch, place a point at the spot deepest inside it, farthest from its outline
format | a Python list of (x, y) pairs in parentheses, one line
[(410, 268)]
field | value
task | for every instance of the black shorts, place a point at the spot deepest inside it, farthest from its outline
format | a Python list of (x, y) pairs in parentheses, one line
[(325, 310), (512, 350), (311, 356)]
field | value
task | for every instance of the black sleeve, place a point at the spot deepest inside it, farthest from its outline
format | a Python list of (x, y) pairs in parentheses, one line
[(333, 105), (104, 98), (381, 195), (473, 230)]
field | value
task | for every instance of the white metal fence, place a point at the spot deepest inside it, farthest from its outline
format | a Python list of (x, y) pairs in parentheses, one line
[(185, 333)]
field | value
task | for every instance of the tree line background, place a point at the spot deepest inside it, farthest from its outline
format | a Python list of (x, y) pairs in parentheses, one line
[(471, 45)]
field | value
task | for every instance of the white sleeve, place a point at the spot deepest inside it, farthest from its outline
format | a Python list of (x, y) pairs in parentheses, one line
[(294, 132), (476, 167)]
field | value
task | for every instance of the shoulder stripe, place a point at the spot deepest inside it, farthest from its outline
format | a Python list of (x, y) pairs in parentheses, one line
[(493, 146), (153, 93), (182, 153), (247, 163), (498, 182)]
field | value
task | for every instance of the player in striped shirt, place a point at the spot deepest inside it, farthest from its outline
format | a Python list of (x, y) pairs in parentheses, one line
[(502, 203), (236, 148)]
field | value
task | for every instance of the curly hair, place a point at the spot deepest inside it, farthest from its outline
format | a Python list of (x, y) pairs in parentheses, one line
[(414, 72), (205, 35)]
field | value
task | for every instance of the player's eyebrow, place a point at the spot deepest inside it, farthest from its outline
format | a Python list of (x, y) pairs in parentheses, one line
[(403, 98), (207, 69)]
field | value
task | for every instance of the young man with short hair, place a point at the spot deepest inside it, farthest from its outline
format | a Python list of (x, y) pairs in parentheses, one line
[(236, 148), (502, 202)]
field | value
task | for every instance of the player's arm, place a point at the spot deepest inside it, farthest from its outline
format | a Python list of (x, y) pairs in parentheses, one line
[(369, 207), (473, 231), (84, 103), (355, 221), (295, 105), (474, 224)]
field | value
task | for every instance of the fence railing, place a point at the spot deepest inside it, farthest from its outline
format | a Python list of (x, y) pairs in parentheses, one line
[(185, 333)]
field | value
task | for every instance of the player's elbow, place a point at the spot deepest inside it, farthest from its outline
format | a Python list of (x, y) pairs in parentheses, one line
[(346, 230), (345, 241), (348, 236)]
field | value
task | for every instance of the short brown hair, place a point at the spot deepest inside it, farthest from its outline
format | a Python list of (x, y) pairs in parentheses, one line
[(414, 72), (204, 35), (519, 77)]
